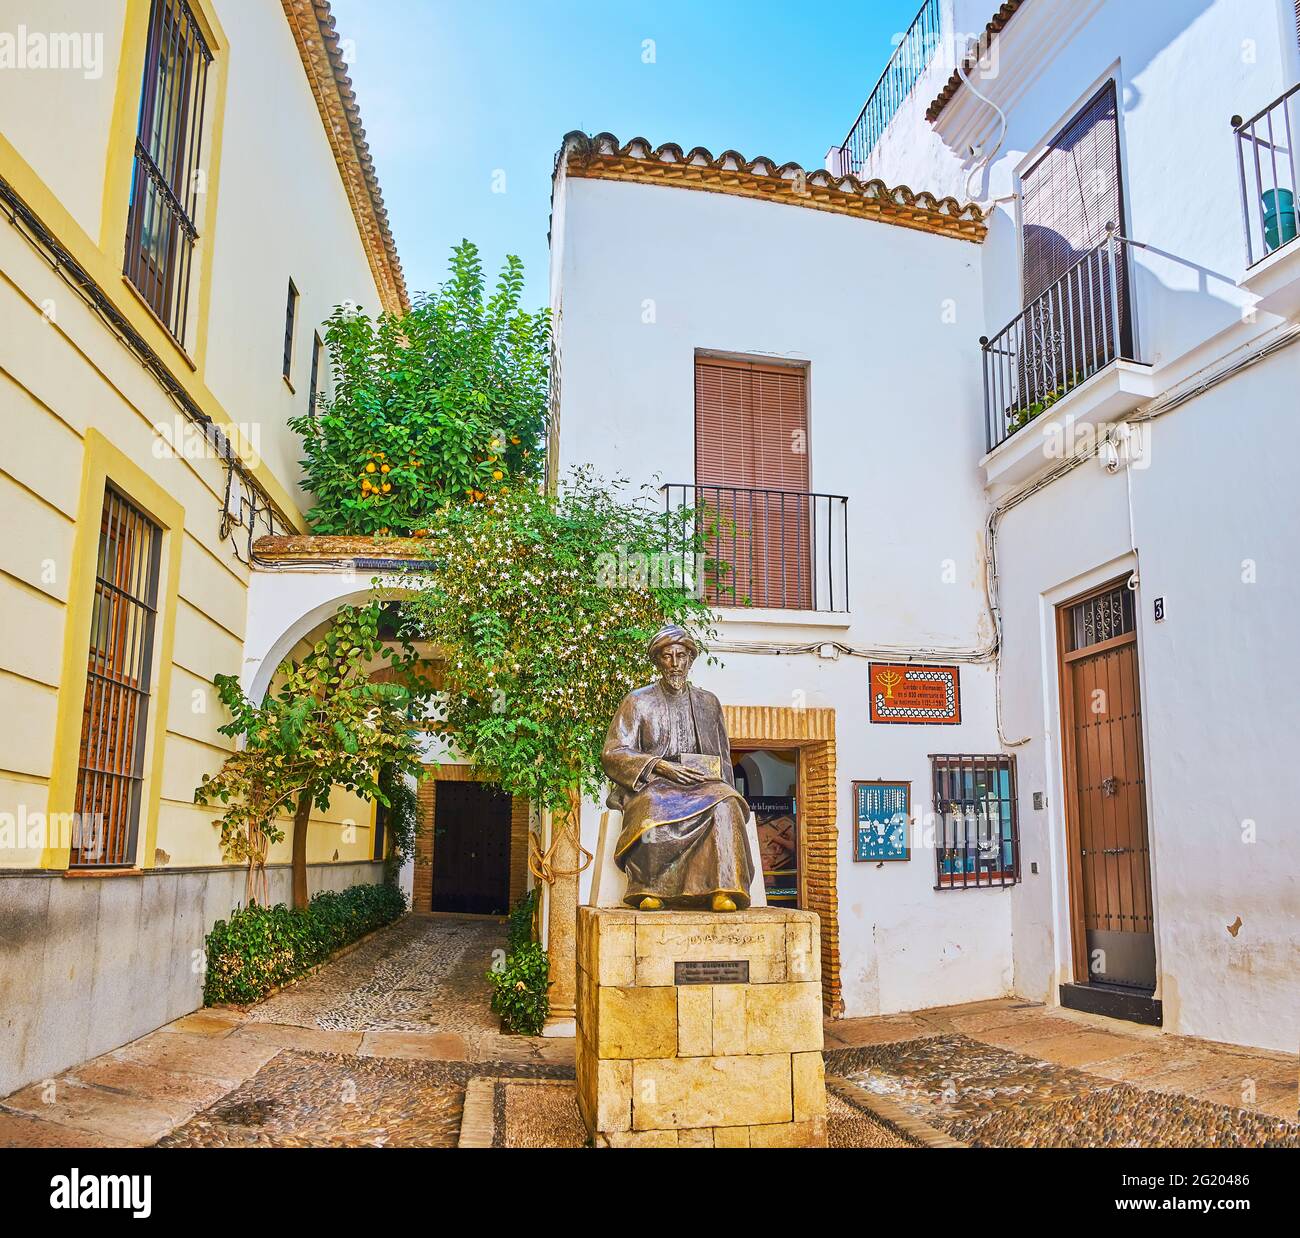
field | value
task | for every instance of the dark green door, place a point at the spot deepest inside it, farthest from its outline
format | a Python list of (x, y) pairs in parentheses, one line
[(471, 848)]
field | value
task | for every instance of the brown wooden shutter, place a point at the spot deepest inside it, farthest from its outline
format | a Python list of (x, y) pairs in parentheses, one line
[(751, 476), (1071, 194)]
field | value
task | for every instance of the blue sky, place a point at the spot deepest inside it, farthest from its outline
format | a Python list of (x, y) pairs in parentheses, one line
[(455, 93)]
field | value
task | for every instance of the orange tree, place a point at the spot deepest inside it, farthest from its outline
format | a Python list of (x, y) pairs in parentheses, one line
[(327, 722), (445, 405)]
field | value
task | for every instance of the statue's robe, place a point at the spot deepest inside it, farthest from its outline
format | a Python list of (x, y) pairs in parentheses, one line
[(682, 844)]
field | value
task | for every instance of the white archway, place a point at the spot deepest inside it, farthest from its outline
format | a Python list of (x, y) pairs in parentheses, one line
[(285, 605)]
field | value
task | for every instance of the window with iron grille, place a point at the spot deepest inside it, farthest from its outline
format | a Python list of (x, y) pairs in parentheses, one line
[(1101, 618), (161, 232), (290, 321), (317, 361), (112, 755), (380, 841), (977, 837)]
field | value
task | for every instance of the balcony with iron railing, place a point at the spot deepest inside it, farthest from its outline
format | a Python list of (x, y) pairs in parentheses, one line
[(910, 59), (1267, 174), (762, 549), (1075, 348)]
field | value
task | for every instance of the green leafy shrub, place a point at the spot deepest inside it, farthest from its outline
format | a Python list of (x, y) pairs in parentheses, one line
[(520, 990), (401, 821), (445, 405), (520, 925), (259, 948)]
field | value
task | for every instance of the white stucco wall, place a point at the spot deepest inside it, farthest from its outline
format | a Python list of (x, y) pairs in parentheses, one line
[(1219, 692), (1182, 68), (893, 422), (647, 275), (282, 213)]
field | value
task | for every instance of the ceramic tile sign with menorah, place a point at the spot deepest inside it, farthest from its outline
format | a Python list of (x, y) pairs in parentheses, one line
[(913, 693)]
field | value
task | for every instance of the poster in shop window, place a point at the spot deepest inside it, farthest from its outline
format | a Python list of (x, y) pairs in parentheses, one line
[(881, 816)]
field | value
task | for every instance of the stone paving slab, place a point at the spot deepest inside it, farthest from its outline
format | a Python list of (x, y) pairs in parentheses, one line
[(1262, 1080), (148, 1082), (19, 1130), (543, 1113), (846, 1033), (1078, 1048), (223, 1058), (286, 1036), (125, 1120), (215, 1022), (434, 1046), (414, 999)]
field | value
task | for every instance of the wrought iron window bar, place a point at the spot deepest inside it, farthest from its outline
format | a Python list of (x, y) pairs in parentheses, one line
[(977, 834), (164, 186)]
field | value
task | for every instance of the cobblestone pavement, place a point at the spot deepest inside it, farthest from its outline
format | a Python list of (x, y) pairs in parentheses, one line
[(378, 1047), (426, 974), (992, 1097), (330, 1100), (375, 1048)]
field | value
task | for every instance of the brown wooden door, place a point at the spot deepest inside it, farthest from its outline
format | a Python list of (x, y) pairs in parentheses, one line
[(1106, 788), (751, 476), (471, 848)]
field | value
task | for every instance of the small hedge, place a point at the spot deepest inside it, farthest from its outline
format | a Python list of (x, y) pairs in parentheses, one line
[(521, 990), (521, 982), (259, 948)]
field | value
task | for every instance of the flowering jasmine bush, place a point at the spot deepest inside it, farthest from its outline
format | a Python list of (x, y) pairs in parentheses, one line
[(542, 607)]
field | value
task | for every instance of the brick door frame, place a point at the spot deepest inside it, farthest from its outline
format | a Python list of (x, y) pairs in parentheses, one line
[(811, 733), (426, 796)]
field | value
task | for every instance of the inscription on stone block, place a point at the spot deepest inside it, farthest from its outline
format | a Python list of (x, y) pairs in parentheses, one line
[(711, 971)]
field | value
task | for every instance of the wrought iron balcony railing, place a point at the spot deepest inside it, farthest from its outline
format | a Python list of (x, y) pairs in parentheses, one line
[(905, 66), (1076, 328), (782, 549), (1267, 174)]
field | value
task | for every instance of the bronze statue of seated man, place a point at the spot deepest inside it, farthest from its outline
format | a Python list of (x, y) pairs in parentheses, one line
[(683, 841)]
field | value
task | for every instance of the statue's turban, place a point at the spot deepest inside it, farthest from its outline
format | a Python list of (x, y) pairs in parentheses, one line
[(673, 634)]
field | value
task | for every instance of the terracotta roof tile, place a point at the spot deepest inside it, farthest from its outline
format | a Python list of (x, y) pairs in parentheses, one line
[(996, 24), (602, 157), (318, 46)]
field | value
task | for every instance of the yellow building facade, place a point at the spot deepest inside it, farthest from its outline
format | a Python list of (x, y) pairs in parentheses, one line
[(185, 196)]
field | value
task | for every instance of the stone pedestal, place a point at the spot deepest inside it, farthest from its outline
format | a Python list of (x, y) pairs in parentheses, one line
[(700, 1030)]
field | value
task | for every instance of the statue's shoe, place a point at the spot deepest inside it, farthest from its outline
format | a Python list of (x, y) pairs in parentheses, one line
[(721, 902), (649, 903)]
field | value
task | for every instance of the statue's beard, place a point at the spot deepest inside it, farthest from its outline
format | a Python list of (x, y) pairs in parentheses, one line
[(676, 680)]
